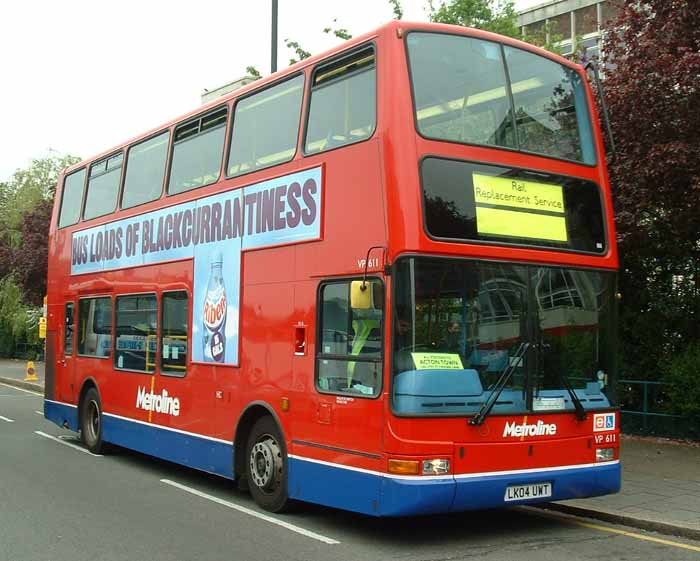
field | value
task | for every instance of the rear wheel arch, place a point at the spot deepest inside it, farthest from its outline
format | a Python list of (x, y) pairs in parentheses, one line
[(90, 419), (87, 385), (254, 411)]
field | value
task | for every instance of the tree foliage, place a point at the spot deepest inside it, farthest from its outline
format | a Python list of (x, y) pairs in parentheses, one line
[(339, 32), (26, 188), (490, 15), (397, 9), (652, 94), (26, 201), (30, 259), (253, 72), (17, 323), (300, 53)]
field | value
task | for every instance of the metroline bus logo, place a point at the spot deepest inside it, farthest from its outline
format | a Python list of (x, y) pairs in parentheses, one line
[(160, 403), (538, 429)]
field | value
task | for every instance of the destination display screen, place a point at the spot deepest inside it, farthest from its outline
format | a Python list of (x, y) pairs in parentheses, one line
[(519, 208), (467, 201)]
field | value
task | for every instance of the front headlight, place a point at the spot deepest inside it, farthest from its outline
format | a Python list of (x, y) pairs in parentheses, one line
[(437, 466)]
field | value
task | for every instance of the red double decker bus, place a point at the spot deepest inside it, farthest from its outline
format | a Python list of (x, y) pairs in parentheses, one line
[(382, 279)]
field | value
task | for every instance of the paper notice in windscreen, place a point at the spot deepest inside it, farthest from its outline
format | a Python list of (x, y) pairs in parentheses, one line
[(437, 361)]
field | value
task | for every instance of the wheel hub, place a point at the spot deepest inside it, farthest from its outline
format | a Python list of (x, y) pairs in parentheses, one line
[(266, 463), (93, 424)]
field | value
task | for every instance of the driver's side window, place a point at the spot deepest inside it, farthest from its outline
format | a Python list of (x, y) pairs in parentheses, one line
[(349, 356)]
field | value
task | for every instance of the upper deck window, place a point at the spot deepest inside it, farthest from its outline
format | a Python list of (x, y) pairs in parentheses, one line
[(103, 186), (266, 127), (343, 106), (198, 150), (73, 187), (479, 92), (145, 168)]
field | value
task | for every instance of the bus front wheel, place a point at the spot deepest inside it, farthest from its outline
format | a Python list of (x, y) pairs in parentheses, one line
[(267, 465), (91, 422)]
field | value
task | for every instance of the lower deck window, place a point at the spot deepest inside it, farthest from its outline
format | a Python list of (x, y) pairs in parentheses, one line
[(174, 336), (95, 325), (136, 321), (349, 356)]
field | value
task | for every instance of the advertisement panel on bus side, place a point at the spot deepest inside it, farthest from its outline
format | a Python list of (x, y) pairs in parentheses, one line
[(213, 231)]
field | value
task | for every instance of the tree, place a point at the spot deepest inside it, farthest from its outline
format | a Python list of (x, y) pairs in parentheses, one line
[(652, 94), (15, 321), (26, 201), (26, 189), (498, 17), (30, 259), (339, 32), (253, 72), (397, 9), (300, 53)]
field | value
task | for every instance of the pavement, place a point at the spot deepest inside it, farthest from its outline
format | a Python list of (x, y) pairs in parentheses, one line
[(660, 477)]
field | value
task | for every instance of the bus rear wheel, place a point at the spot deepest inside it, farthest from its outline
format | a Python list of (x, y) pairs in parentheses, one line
[(91, 422), (267, 465)]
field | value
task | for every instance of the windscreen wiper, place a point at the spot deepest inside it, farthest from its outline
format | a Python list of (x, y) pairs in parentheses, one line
[(581, 414), (513, 362)]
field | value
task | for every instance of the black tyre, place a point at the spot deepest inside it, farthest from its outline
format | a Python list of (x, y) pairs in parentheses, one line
[(91, 422), (266, 465)]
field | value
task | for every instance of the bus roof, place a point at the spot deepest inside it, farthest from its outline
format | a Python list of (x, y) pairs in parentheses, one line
[(398, 27)]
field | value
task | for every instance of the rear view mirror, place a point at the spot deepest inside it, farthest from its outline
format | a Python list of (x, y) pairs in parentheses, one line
[(360, 295), (366, 295)]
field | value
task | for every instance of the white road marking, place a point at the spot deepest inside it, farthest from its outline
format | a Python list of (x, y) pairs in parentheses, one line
[(61, 441), (39, 413), (7, 420), (21, 389), (250, 512)]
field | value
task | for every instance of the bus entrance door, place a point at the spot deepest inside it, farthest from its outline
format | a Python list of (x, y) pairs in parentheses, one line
[(65, 366)]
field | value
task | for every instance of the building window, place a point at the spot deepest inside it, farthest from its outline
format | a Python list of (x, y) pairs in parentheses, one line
[(561, 25), (349, 351), (136, 320), (174, 333), (586, 20), (610, 11), (95, 327)]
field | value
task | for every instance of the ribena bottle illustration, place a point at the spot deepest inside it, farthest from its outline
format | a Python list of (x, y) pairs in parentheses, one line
[(215, 304)]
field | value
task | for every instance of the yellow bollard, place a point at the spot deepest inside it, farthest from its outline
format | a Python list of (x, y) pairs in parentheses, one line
[(31, 373)]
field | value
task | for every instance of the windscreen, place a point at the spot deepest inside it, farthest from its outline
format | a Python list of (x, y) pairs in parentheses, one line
[(473, 91), (459, 324)]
